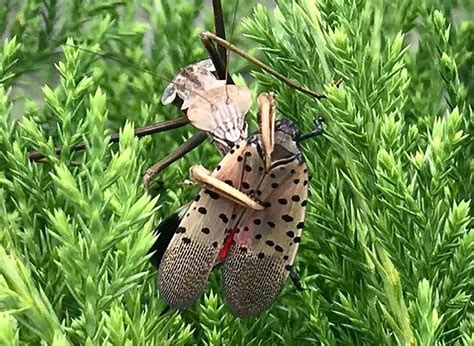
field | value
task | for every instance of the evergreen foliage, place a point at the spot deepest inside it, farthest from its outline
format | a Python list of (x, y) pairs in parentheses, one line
[(387, 255)]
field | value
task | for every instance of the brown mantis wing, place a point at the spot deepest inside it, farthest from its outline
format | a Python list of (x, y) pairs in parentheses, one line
[(191, 82)]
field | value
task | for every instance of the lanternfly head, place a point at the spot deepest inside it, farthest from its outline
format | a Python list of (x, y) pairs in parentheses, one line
[(288, 127), (286, 137)]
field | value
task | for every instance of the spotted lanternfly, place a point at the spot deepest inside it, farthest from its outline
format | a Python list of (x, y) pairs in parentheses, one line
[(249, 217)]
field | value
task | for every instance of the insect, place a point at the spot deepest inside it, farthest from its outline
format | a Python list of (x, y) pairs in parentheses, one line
[(218, 110), (248, 217), (211, 105), (208, 98), (183, 270)]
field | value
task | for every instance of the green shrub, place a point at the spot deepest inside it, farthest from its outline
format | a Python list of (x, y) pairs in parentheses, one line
[(387, 256)]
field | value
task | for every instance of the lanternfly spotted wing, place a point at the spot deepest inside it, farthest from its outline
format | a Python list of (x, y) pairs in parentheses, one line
[(265, 241), (257, 247), (194, 249)]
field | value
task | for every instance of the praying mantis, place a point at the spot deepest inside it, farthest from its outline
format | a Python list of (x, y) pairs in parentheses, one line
[(231, 221), (210, 73)]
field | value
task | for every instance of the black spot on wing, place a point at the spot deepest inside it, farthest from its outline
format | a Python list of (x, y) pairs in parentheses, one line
[(180, 230), (212, 194), (224, 218)]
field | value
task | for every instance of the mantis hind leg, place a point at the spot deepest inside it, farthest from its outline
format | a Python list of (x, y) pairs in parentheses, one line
[(181, 151), (166, 125)]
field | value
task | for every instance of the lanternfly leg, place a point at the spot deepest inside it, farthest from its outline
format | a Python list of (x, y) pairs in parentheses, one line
[(316, 132), (140, 132), (209, 36), (202, 176), (295, 278), (182, 150)]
